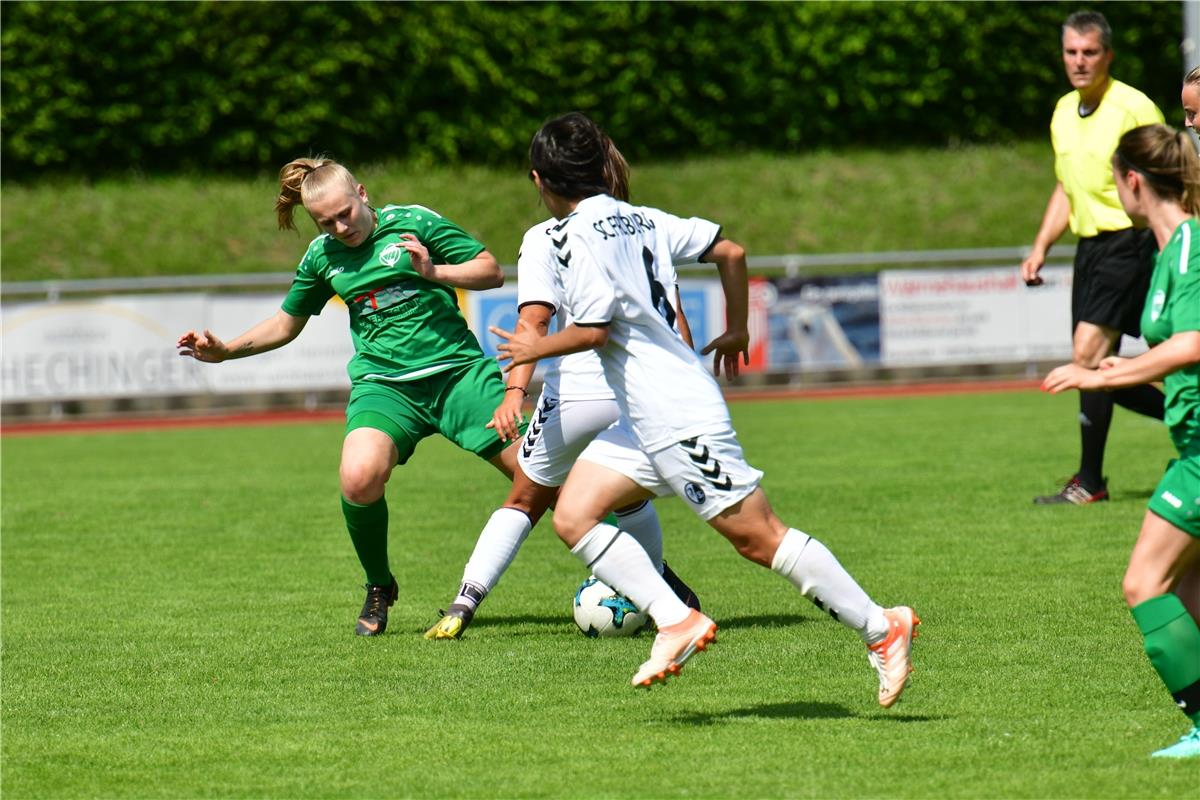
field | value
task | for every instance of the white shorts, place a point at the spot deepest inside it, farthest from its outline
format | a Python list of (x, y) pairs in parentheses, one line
[(557, 434), (709, 471)]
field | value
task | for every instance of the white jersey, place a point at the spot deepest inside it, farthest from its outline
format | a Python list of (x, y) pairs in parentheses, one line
[(577, 376), (616, 264)]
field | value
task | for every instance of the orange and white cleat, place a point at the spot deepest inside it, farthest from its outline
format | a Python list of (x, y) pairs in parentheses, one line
[(674, 645), (892, 657)]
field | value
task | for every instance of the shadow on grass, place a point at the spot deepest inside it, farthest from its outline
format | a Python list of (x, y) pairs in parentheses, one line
[(729, 623), (762, 621), (794, 710), (510, 620), (1132, 494)]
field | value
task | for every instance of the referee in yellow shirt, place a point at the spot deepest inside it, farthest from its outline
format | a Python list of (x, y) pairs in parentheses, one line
[(1113, 260)]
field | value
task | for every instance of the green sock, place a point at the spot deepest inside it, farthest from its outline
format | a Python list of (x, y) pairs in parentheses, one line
[(1172, 642), (368, 527)]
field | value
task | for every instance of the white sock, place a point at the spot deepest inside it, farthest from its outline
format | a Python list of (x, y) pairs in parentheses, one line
[(496, 548), (616, 558), (642, 524), (810, 566)]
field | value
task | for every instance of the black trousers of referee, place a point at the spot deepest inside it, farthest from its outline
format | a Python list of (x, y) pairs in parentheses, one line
[(1111, 279)]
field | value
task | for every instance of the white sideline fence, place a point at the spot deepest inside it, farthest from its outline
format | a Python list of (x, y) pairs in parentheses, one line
[(792, 265), (814, 318)]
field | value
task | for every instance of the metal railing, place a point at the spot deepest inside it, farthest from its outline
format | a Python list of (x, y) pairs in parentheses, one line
[(791, 265)]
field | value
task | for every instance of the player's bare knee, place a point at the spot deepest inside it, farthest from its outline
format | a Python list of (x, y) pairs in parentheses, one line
[(570, 525), (530, 499), (1139, 587), (361, 483)]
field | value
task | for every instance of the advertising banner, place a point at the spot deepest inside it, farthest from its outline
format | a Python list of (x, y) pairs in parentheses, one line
[(974, 316), (803, 323), (125, 347)]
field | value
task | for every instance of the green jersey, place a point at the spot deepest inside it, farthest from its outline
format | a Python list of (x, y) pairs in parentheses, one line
[(404, 327), (1173, 306)]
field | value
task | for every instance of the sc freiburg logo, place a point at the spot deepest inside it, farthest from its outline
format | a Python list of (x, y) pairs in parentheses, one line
[(694, 492)]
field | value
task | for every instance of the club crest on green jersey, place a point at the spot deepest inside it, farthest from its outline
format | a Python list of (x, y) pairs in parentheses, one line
[(390, 255), (1156, 304)]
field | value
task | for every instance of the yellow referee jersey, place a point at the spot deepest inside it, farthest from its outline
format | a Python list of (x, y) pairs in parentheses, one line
[(1083, 148)]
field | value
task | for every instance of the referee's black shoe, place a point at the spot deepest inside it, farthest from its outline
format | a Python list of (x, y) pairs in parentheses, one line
[(373, 619), (1075, 493), (681, 589)]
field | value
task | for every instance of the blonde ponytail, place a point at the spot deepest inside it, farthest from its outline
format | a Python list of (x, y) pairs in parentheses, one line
[(306, 178)]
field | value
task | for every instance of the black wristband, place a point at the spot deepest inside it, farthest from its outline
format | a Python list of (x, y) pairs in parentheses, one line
[(516, 388)]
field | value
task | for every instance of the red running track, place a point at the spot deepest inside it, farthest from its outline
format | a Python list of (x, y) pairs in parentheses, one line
[(288, 417)]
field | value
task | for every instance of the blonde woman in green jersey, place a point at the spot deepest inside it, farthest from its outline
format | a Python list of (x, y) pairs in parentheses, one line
[(1158, 180), (417, 368)]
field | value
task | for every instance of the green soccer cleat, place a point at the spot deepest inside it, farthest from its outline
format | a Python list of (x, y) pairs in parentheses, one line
[(452, 624), (1187, 747)]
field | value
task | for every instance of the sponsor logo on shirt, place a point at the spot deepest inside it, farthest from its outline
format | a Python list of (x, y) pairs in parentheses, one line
[(390, 302), (1172, 499)]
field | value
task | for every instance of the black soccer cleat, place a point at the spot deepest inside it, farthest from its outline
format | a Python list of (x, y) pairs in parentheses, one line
[(1074, 493), (372, 621), (681, 589)]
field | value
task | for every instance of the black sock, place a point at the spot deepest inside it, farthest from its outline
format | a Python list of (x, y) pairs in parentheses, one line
[(1145, 399), (1095, 415)]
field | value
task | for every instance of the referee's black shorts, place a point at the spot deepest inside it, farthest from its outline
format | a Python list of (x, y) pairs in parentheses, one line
[(1112, 276)]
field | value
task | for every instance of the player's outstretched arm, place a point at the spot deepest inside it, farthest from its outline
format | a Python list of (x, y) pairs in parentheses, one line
[(524, 346), (481, 272), (730, 258), (271, 333), (1179, 352)]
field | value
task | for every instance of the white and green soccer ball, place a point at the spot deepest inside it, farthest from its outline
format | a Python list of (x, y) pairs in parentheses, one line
[(600, 611)]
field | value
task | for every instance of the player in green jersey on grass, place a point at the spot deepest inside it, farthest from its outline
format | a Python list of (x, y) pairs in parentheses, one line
[(417, 368), (1157, 174)]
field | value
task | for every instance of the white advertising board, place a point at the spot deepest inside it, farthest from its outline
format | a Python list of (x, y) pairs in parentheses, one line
[(973, 316), (125, 347)]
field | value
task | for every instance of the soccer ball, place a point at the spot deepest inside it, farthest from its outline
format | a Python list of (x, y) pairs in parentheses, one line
[(600, 611)]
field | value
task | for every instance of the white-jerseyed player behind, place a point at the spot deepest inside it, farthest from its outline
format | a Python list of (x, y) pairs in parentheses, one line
[(676, 437), (576, 403)]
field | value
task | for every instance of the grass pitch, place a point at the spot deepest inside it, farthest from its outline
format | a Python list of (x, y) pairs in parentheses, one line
[(178, 610)]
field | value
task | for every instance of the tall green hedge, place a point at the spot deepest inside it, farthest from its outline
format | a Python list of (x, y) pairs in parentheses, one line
[(96, 87)]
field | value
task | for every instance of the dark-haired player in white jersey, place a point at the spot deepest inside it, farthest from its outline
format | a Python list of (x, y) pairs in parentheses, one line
[(616, 267), (576, 403)]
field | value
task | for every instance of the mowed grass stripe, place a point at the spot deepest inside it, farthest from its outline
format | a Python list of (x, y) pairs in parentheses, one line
[(178, 609)]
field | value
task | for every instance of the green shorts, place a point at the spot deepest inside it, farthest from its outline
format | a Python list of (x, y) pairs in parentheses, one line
[(1177, 496), (457, 403)]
